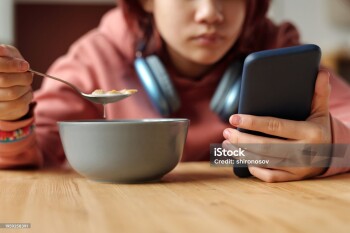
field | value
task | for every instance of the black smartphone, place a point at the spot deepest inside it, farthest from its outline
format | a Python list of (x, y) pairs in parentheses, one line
[(278, 83)]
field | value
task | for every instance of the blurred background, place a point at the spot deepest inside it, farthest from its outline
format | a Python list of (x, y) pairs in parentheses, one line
[(44, 29)]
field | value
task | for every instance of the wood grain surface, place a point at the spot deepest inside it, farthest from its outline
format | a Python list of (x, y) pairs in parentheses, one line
[(192, 198)]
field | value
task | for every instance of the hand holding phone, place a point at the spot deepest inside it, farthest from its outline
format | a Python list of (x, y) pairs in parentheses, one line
[(278, 83)]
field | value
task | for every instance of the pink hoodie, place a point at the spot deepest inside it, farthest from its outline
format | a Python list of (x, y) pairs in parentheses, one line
[(103, 59)]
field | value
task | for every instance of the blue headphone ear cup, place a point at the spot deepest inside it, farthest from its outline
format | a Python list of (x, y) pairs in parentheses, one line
[(226, 97), (231, 101), (164, 82), (151, 85), (221, 90)]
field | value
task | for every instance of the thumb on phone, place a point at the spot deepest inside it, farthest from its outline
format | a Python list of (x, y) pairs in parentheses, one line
[(320, 102)]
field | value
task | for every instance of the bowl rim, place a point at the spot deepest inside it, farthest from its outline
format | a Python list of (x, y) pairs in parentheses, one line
[(124, 121)]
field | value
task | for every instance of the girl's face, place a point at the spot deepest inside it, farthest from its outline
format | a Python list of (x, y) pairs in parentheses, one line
[(200, 32)]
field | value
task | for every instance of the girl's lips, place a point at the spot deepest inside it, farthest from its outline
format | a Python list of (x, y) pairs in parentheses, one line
[(208, 39)]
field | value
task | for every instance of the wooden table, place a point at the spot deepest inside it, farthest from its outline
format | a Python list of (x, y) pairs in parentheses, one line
[(192, 198)]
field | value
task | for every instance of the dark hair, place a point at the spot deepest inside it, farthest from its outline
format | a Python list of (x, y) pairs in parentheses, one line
[(140, 22), (136, 17)]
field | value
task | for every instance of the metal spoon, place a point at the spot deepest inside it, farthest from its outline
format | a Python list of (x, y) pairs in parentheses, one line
[(99, 99)]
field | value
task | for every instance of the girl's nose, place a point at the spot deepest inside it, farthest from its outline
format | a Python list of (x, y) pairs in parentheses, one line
[(209, 11)]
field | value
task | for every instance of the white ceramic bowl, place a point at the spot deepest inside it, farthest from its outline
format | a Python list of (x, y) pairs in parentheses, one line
[(125, 151)]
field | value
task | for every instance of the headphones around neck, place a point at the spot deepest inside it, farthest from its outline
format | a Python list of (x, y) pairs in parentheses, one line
[(158, 85)]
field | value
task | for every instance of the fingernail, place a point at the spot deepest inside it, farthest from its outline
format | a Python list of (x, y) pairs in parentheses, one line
[(23, 66), (328, 72), (235, 120), (329, 75), (227, 132)]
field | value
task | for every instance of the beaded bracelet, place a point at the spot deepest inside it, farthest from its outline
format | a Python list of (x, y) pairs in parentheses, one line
[(16, 135)]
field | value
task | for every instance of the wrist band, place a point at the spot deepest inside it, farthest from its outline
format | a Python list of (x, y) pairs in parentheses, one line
[(16, 135)]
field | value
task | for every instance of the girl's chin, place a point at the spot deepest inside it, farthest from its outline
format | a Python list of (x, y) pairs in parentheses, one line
[(207, 61), (206, 58)]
